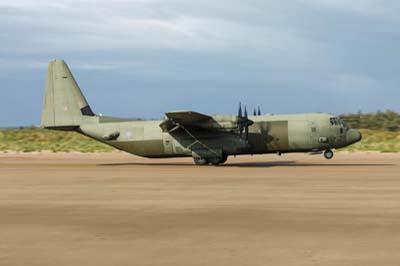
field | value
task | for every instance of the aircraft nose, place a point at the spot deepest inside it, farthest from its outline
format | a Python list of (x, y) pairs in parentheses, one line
[(353, 136)]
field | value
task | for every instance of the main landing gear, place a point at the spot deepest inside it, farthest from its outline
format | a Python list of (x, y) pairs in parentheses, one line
[(328, 154), (200, 161), (213, 161)]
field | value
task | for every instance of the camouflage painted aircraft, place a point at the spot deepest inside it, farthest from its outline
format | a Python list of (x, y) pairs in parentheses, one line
[(209, 139)]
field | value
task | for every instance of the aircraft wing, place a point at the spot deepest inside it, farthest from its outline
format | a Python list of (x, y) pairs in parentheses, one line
[(188, 119), (201, 133)]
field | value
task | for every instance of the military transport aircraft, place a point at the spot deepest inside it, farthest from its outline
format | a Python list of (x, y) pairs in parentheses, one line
[(209, 139)]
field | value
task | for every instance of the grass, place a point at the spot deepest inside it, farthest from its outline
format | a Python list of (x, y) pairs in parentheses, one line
[(376, 140), (32, 140)]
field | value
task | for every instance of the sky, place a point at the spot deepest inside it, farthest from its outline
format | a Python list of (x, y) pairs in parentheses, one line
[(142, 58)]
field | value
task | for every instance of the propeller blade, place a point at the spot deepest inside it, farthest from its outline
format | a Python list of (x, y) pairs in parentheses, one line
[(246, 127), (259, 110), (243, 121), (255, 112), (240, 118)]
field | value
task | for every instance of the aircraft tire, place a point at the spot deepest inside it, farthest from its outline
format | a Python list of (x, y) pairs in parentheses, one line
[(328, 154), (219, 161), (201, 161)]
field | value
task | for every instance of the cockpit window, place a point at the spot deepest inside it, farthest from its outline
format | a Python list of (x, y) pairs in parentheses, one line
[(337, 121), (345, 126), (334, 121)]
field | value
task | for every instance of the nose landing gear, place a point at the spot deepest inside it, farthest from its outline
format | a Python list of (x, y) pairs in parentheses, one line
[(328, 154)]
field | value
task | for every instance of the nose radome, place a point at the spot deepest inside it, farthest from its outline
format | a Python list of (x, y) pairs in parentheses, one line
[(353, 136)]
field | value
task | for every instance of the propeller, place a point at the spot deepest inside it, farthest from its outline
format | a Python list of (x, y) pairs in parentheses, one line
[(240, 118), (246, 128), (255, 112), (244, 122), (259, 111)]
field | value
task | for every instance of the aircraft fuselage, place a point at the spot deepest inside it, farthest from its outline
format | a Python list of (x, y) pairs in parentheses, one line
[(268, 134), (208, 139)]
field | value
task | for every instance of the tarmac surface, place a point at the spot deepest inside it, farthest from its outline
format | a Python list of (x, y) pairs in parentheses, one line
[(117, 209)]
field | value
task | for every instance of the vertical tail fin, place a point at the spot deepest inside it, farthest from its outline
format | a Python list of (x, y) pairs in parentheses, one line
[(64, 104)]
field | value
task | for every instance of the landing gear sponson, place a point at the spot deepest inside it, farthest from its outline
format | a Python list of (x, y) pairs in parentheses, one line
[(213, 161)]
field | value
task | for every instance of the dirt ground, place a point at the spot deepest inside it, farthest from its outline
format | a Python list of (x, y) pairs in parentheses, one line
[(117, 209)]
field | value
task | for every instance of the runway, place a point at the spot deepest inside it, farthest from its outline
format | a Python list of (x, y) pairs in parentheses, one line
[(117, 209)]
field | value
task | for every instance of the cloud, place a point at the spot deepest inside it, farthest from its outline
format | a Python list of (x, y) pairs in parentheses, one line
[(385, 10), (75, 26), (21, 63), (348, 82), (289, 34), (184, 51)]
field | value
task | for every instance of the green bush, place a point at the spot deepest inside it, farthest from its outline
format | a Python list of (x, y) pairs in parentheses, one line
[(32, 139), (374, 140), (388, 120)]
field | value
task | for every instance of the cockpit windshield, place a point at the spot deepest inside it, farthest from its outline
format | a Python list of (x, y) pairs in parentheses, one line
[(336, 121), (345, 126)]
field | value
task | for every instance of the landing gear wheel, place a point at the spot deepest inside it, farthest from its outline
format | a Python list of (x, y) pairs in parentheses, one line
[(224, 159), (328, 154), (218, 161), (201, 161)]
